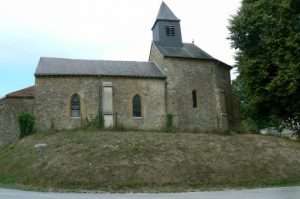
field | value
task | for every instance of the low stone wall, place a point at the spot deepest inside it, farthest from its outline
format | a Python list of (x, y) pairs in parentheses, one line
[(10, 108)]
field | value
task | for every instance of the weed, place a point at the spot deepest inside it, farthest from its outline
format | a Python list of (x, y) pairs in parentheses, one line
[(169, 124)]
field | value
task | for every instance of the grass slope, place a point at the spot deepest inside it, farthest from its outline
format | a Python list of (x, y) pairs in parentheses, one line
[(149, 161)]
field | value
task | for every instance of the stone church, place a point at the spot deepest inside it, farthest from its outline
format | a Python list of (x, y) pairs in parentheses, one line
[(179, 79)]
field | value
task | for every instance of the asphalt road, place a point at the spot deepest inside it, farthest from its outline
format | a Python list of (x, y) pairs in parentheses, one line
[(266, 193)]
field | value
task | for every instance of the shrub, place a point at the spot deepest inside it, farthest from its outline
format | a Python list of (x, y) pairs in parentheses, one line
[(89, 123), (101, 120), (26, 124), (249, 126), (119, 127), (169, 125)]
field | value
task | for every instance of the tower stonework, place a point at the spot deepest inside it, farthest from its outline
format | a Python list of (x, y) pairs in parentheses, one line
[(198, 86)]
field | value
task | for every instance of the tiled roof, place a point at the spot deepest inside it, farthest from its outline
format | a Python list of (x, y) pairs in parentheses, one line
[(61, 66), (26, 93)]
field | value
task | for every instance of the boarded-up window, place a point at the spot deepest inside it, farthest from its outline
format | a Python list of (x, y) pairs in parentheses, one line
[(75, 106), (107, 104), (137, 106), (194, 95)]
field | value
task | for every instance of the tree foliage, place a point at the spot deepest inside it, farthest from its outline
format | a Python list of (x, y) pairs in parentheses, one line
[(266, 35), (292, 124)]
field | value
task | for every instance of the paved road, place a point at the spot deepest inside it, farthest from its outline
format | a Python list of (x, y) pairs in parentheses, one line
[(266, 193)]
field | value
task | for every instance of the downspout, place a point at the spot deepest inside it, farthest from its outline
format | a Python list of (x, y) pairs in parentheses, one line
[(99, 102)]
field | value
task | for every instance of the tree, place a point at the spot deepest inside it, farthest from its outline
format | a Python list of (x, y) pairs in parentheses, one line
[(266, 35)]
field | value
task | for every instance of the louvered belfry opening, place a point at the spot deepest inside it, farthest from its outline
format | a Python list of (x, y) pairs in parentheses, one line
[(170, 30)]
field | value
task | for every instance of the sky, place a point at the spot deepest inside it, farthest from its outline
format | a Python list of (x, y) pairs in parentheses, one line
[(101, 30)]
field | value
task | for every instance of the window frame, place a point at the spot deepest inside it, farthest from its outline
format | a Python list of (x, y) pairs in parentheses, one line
[(139, 97), (76, 104)]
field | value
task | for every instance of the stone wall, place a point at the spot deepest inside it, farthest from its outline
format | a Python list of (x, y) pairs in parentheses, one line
[(184, 76), (152, 92), (10, 108), (224, 92), (53, 101), (208, 78)]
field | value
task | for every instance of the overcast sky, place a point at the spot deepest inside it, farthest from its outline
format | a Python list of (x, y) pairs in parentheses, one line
[(100, 29)]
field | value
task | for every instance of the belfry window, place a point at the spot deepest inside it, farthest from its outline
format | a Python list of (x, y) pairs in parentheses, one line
[(136, 106), (194, 95), (75, 106), (170, 30)]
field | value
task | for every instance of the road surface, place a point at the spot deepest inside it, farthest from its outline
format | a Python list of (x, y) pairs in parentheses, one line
[(265, 193)]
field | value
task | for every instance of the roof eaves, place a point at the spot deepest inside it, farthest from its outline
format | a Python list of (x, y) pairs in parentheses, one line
[(18, 97), (54, 74), (137, 76), (223, 63), (185, 57), (163, 20)]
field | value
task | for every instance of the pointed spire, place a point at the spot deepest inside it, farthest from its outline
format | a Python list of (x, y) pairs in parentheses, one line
[(166, 29), (165, 13)]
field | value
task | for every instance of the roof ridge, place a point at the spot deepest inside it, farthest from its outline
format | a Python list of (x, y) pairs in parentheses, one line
[(106, 60)]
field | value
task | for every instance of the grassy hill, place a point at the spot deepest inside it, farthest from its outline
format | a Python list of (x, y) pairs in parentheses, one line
[(149, 161)]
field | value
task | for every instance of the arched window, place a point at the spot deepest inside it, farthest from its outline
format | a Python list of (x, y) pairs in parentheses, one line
[(137, 106), (75, 106)]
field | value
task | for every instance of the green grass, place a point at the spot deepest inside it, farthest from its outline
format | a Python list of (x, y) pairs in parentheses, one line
[(148, 161)]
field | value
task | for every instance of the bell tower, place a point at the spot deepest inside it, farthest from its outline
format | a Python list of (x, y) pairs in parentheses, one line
[(166, 29)]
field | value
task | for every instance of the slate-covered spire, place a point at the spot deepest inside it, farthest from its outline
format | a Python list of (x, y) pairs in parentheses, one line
[(165, 13), (166, 29)]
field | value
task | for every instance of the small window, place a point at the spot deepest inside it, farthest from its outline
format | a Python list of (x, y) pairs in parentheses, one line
[(136, 106), (170, 30), (75, 106), (194, 95)]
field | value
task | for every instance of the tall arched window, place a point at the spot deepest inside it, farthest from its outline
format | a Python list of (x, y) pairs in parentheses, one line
[(75, 106), (137, 106)]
